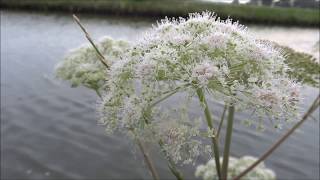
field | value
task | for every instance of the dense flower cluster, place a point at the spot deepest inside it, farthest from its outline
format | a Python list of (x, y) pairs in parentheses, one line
[(202, 52), (236, 166), (220, 57), (180, 138)]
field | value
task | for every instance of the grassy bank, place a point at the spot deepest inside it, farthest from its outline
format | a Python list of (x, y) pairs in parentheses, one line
[(174, 8)]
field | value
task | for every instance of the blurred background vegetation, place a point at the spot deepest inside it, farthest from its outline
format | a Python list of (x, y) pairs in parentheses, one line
[(301, 12)]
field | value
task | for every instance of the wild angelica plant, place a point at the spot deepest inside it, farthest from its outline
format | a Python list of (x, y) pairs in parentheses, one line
[(200, 57)]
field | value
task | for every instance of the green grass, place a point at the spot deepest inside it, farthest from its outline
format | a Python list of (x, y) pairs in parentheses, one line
[(174, 8)]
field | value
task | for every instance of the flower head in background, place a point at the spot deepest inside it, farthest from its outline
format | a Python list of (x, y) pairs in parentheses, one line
[(236, 166), (82, 66)]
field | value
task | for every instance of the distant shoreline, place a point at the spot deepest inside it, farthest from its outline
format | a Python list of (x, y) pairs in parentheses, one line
[(173, 8)]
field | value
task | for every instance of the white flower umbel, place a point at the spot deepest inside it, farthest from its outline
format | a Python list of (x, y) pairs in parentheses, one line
[(236, 166), (183, 55)]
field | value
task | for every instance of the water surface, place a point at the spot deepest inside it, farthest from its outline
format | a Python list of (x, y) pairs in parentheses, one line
[(49, 130)]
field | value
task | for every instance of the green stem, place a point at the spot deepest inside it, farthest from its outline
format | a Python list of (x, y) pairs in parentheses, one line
[(226, 152), (215, 144), (98, 93), (221, 120), (171, 164), (100, 56), (148, 160), (168, 94), (145, 154)]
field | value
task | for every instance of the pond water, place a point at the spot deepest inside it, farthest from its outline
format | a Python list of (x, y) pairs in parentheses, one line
[(49, 130)]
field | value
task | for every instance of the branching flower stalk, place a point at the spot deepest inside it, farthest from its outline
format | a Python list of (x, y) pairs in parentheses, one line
[(171, 163), (222, 119), (226, 153), (215, 143), (153, 171)]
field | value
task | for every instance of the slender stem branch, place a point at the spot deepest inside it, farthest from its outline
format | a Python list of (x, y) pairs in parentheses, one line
[(98, 93), (168, 94), (148, 160), (100, 56), (227, 145), (171, 164), (312, 108), (222, 119), (215, 144), (146, 157)]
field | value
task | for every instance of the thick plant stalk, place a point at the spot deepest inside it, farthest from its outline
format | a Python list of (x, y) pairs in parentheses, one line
[(148, 161), (215, 143), (312, 108), (226, 153), (221, 120), (100, 56)]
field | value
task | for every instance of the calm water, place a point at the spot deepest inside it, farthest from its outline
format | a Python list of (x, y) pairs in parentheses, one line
[(49, 130)]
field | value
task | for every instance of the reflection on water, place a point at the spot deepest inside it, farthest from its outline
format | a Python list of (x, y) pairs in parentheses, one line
[(49, 130)]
